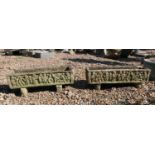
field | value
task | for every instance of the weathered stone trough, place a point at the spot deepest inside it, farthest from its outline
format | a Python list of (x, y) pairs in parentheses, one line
[(116, 75), (23, 79)]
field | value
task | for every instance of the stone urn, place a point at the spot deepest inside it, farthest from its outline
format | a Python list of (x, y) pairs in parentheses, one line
[(150, 63)]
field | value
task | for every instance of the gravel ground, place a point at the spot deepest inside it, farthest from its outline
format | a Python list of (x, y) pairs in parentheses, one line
[(80, 93)]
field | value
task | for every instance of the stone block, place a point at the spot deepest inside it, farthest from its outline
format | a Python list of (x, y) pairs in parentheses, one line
[(43, 54)]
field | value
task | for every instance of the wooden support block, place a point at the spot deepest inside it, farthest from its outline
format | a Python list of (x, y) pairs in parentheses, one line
[(24, 92)]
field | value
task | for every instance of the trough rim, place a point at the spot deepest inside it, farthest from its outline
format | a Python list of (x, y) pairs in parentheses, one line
[(117, 68), (100, 69), (43, 70)]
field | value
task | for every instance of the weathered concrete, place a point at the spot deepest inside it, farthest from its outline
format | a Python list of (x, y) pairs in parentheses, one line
[(43, 54), (121, 75), (57, 76)]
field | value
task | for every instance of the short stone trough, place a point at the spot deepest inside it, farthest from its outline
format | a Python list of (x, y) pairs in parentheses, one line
[(23, 79), (117, 75)]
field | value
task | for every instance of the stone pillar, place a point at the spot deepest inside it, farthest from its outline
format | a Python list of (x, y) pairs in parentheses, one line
[(58, 88), (98, 87), (24, 92)]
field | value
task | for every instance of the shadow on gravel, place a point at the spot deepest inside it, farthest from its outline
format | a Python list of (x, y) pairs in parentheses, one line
[(130, 59), (5, 89), (92, 61), (38, 89), (42, 89), (110, 86), (80, 84)]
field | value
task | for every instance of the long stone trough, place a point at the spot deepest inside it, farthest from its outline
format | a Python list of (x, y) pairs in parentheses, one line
[(116, 75), (23, 79)]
